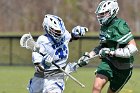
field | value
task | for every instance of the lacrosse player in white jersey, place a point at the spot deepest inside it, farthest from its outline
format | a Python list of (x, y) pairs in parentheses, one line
[(52, 47)]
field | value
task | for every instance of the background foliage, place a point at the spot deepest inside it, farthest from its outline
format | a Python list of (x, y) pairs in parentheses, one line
[(27, 15)]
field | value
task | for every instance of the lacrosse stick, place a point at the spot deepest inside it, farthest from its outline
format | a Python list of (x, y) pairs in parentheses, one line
[(85, 61), (92, 57), (76, 66), (60, 68), (74, 79), (28, 42)]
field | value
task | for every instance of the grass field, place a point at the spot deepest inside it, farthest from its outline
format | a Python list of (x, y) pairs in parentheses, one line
[(14, 79)]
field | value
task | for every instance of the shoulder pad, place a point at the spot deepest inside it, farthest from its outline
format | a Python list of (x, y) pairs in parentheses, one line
[(122, 26), (42, 39)]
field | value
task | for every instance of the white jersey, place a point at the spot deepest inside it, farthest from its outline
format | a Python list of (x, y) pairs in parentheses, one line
[(59, 51)]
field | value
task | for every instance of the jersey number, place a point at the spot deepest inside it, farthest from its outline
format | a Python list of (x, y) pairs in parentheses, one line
[(62, 52)]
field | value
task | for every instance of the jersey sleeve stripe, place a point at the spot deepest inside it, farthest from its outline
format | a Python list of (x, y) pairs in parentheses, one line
[(119, 40), (130, 36)]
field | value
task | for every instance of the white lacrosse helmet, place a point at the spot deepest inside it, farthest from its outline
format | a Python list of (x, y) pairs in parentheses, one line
[(106, 11), (54, 27)]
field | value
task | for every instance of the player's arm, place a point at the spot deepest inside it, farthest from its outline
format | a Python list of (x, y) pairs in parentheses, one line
[(84, 60), (127, 51), (78, 32), (37, 59)]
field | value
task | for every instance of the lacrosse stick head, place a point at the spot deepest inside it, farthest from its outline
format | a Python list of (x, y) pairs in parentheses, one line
[(27, 41), (54, 27)]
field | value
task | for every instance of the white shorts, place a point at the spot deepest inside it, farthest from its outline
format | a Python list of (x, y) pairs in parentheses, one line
[(51, 84)]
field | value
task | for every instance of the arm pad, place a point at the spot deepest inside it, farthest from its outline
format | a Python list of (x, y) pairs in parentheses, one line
[(97, 49), (126, 52)]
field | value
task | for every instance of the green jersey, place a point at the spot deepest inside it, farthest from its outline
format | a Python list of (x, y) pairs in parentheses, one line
[(116, 35)]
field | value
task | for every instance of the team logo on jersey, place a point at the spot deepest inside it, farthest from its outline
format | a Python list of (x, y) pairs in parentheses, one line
[(104, 35)]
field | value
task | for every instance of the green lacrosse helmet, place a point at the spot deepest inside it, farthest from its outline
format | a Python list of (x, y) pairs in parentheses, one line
[(106, 11)]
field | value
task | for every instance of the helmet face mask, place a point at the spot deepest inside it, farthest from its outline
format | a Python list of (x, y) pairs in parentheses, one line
[(55, 33), (54, 27), (106, 10), (103, 17)]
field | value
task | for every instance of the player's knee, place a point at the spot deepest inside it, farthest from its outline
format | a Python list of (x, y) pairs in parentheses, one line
[(97, 87)]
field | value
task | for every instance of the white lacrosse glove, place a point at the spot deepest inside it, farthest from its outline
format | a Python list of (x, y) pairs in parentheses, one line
[(47, 62), (104, 52), (84, 60), (71, 67), (28, 42), (79, 31)]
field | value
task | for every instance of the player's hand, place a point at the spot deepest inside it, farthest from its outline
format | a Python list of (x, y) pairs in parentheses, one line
[(47, 60), (79, 31), (84, 59), (71, 67), (104, 52), (39, 68)]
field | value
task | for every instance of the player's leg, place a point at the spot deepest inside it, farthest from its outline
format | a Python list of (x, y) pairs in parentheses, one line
[(35, 85), (120, 78), (103, 75), (100, 81), (54, 84)]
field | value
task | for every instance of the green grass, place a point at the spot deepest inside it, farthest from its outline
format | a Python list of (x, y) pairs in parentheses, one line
[(14, 79)]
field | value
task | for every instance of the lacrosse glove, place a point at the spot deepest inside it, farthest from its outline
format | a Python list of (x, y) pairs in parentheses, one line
[(104, 52), (71, 67), (79, 31), (84, 60), (47, 61)]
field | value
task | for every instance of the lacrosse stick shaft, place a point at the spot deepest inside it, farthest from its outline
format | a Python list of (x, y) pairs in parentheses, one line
[(74, 79), (92, 57)]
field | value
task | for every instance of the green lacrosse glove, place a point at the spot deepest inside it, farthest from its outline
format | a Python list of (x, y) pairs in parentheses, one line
[(104, 52), (84, 60)]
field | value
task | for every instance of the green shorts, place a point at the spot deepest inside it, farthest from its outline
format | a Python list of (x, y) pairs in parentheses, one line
[(118, 78)]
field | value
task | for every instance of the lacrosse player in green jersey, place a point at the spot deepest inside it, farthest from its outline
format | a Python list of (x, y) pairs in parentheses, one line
[(116, 49)]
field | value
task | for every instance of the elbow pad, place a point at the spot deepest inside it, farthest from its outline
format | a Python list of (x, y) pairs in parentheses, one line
[(126, 52)]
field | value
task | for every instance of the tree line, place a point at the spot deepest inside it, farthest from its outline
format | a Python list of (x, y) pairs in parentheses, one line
[(27, 15)]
